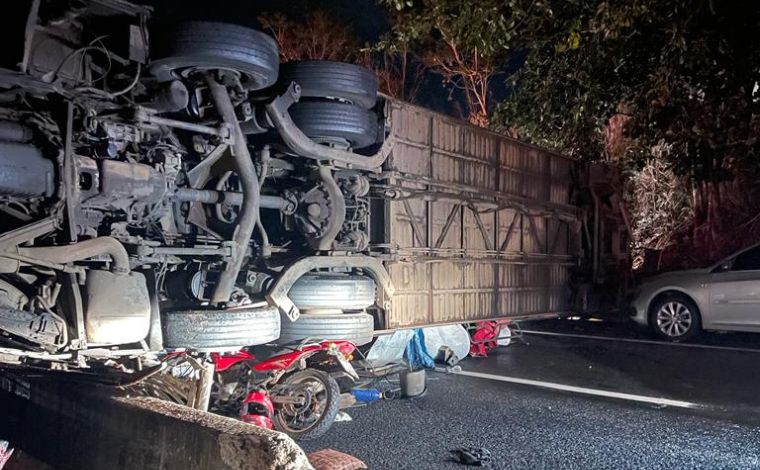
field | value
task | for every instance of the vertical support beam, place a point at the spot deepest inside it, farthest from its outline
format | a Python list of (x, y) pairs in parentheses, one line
[(508, 236), (70, 174), (555, 240), (431, 298), (31, 26), (522, 232), (72, 288), (205, 384), (481, 227), (495, 266), (447, 226), (534, 233), (429, 221), (416, 230), (460, 173), (463, 254), (388, 230)]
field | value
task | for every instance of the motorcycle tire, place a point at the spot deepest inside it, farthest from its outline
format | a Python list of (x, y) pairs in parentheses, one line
[(330, 396)]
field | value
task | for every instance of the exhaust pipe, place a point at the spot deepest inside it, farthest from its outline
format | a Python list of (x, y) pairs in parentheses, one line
[(249, 211), (82, 250)]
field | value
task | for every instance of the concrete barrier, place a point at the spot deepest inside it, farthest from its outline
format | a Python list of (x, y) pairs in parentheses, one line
[(73, 426)]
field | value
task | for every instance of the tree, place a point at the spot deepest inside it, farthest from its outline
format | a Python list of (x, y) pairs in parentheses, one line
[(556, 98), (468, 44), (605, 79), (681, 70), (398, 68), (316, 36)]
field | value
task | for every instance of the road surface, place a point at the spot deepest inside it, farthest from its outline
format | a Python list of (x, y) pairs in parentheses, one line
[(557, 401)]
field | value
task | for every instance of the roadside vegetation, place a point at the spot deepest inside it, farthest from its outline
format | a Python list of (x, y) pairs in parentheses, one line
[(666, 90)]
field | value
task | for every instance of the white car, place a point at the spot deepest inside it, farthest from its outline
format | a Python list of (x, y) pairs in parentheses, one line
[(725, 296)]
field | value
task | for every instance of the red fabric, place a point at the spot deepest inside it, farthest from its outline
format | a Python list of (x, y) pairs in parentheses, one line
[(485, 337)]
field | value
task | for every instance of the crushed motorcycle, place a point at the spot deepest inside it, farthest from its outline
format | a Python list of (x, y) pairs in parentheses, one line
[(294, 390)]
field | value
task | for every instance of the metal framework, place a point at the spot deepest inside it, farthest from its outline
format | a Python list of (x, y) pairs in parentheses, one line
[(476, 225)]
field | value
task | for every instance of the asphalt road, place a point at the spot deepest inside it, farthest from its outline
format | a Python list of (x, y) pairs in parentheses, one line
[(530, 426), (623, 328)]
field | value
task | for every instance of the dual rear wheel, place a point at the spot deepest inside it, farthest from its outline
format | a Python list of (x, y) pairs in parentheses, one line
[(336, 98), (335, 109), (336, 102), (322, 299), (324, 294)]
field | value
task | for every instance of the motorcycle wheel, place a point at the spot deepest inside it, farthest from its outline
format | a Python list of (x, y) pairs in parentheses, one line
[(314, 417)]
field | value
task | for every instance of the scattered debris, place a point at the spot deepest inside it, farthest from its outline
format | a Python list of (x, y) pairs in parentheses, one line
[(342, 416), (487, 336), (451, 342), (473, 456), (413, 383), (446, 356), (389, 349), (454, 337), (449, 370), (367, 395), (505, 336), (329, 459), (417, 354)]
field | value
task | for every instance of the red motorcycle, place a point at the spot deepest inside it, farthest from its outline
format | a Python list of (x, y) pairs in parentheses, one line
[(295, 392)]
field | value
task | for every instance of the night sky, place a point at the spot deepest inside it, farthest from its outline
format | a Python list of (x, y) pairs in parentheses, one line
[(369, 21)]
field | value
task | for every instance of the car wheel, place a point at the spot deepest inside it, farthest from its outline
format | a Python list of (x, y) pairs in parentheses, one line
[(202, 45), (327, 79), (334, 122), (358, 328), (675, 318), (220, 330)]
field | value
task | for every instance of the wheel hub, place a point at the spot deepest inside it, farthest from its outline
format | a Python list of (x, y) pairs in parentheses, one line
[(190, 71), (674, 319), (310, 406)]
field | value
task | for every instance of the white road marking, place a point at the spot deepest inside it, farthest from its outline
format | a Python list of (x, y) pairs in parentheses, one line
[(643, 341), (582, 390)]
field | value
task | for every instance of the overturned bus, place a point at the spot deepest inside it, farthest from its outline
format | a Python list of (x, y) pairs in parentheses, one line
[(184, 190)]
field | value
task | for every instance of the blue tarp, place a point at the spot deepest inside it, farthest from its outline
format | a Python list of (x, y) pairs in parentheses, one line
[(417, 354)]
